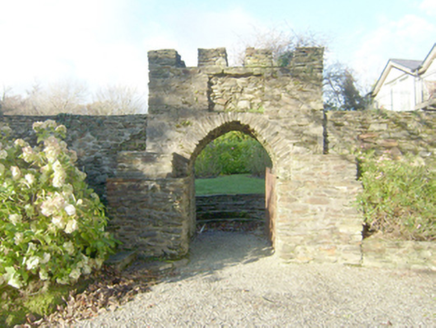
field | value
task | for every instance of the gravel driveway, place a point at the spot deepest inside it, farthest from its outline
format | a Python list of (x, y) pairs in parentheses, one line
[(233, 280)]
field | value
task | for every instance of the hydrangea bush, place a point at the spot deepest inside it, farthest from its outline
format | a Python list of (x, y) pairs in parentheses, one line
[(51, 223)]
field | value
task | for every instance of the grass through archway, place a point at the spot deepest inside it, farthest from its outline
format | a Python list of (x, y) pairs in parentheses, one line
[(230, 183)]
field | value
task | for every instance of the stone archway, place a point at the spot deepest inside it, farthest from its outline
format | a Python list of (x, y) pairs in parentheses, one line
[(233, 202), (281, 107)]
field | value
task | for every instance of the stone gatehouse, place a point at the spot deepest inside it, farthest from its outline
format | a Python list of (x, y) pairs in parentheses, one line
[(142, 165), (308, 199)]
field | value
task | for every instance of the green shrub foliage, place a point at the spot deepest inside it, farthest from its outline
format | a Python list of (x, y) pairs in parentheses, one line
[(398, 198), (232, 153), (51, 223)]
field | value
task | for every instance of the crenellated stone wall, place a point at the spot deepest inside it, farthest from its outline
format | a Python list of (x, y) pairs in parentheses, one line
[(142, 165), (289, 98), (213, 86), (282, 108)]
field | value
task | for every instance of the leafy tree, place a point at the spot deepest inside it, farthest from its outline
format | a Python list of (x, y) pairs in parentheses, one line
[(340, 91), (352, 98)]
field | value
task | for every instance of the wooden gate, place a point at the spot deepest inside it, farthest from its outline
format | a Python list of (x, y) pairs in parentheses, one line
[(270, 204)]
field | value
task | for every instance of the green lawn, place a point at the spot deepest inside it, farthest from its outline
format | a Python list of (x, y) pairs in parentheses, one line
[(230, 184)]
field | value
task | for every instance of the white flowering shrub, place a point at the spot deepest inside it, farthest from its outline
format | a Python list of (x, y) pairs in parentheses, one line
[(51, 223)]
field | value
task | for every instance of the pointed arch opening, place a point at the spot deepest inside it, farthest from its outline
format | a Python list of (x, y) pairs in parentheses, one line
[(234, 181)]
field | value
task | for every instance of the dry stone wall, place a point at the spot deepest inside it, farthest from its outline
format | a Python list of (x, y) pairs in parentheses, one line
[(143, 165), (381, 253), (317, 220), (282, 108), (96, 139), (399, 133), (152, 216), (242, 206)]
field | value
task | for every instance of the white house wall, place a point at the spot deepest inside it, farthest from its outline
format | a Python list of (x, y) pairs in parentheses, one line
[(394, 73), (384, 98), (397, 93), (427, 84), (404, 97)]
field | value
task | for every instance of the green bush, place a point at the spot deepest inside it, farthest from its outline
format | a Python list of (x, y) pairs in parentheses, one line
[(51, 223), (232, 153), (207, 164), (398, 197), (255, 157)]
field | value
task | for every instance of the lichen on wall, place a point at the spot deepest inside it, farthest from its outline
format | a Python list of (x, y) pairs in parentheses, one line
[(397, 133), (96, 139), (142, 164)]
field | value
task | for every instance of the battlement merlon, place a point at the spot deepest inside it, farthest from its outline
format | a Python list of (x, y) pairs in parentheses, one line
[(307, 61), (212, 57), (258, 58), (164, 58), (301, 60), (260, 86)]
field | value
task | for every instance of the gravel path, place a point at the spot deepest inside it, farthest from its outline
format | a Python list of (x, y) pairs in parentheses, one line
[(232, 280)]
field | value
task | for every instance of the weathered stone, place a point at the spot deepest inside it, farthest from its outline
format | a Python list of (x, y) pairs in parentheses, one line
[(121, 260), (407, 132), (148, 160), (387, 143), (212, 57), (378, 252), (378, 127), (248, 206), (366, 135)]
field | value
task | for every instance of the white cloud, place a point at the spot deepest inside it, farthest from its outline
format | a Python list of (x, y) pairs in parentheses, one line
[(50, 40), (192, 29), (429, 6), (410, 37), (103, 42)]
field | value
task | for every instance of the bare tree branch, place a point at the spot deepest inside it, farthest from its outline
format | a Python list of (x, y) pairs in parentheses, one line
[(117, 100)]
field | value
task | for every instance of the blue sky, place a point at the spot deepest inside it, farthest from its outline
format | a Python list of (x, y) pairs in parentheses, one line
[(102, 42)]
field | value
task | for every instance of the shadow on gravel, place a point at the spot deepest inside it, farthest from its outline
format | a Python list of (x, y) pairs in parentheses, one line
[(214, 251)]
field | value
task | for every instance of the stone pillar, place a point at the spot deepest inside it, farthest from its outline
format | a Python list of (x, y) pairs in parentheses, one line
[(151, 207), (212, 57), (151, 216), (308, 62), (316, 219), (164, 58), (174, 89), (258, 58)]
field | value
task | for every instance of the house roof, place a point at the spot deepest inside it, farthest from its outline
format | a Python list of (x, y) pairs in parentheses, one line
[(408, 66), (407, 63), (428, 60)]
